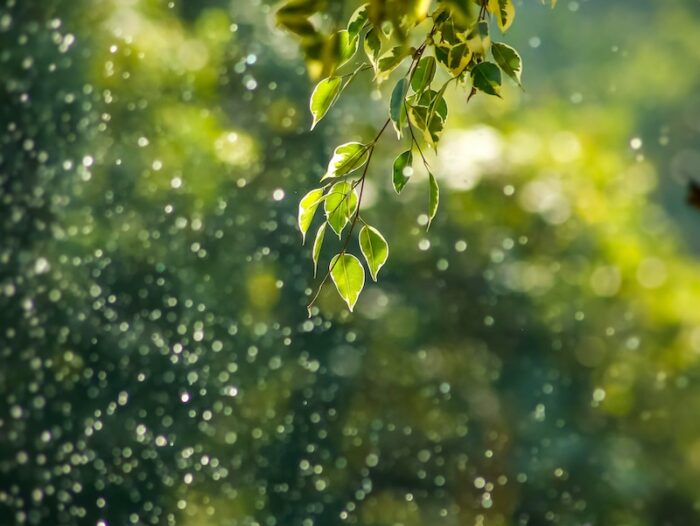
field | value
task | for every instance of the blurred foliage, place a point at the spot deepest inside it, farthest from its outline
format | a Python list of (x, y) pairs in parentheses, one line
[(534, 359)]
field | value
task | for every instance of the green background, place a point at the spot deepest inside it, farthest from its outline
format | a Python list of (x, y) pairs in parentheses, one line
[(534, 359)]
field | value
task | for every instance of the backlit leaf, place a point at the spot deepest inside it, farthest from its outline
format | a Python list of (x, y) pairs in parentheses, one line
[(346, 159), (348, 276), (307, 208), (433, 198), (324, 96), (374, 248), (340, 205), (318, 243)]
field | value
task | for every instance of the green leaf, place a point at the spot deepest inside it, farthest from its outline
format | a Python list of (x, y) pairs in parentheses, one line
[(358, 21), (307, 209), (324, 96), (390, 60), (348, 276), (423, 74), (346, 159), (403, 170), (374, 248), (373, 47), (433, 198), (487, 78), (508, 60), (347, 46), (396, 107), (318, 243), (340, 205)]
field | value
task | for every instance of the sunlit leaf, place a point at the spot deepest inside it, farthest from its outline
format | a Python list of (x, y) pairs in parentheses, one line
[(347, 46), (318, 243), (433, 198), (348, 276), (403, 169), (346, 159), (307, 209), (340, 205), (374, 248), (324, 96)]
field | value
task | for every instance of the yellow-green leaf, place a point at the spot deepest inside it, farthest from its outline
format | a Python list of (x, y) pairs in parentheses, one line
[(340, 205), (374, 248), (348, 276), (433, 198), (346, 159), (318, 243), (307, 208), (504, 11), (324, 96)]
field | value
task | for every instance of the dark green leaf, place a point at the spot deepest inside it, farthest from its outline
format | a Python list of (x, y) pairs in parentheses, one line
[(403, 169), (424, 74), (487, 78), (358, 21), (373, 47), (508, 60), (396, 107)]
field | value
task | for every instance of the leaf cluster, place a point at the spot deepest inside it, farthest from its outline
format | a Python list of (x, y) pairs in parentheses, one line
[(444, 43)]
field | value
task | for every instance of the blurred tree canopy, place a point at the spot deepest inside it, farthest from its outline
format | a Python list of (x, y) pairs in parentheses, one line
[(533, 359)]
